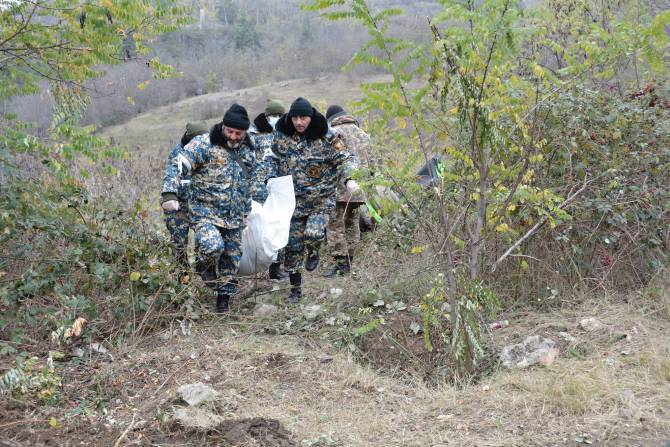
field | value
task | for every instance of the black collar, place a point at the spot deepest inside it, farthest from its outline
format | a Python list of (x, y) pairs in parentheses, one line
[(318, 127)]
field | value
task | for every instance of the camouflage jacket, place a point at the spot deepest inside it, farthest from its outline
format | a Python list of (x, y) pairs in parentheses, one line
[(262, 136), (220, 190), (316, 159), (185, 180), (357, 143)]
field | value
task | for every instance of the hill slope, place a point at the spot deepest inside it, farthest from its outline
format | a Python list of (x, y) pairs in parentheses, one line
[(151, 135)]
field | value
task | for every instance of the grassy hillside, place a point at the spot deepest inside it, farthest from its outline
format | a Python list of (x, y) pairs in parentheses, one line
[(150, 136)]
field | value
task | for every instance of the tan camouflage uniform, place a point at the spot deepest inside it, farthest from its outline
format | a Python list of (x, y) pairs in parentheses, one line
[(343, 229)]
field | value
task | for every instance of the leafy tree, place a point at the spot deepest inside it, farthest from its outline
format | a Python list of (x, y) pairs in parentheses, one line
[(245, 35), (61, 244), (479, 97)]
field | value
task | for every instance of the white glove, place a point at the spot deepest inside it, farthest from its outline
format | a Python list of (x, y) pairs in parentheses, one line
[(171, 205), (352, 186)]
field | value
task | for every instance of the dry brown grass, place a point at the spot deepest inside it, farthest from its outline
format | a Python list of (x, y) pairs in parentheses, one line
[(617, 393)]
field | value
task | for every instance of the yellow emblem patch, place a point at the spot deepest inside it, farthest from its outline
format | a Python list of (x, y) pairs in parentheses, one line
[(337, 144), (313, 171)]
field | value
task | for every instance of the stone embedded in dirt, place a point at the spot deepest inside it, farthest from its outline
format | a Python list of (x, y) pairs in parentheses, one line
[(196, 417), (531, 352), (312, 312), (567, 337), (591, 324), (197, 393), (265, 310)]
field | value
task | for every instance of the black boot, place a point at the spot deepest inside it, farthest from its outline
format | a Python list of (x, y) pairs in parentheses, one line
[(222, 303), (312, 259), (342, 267), (296, 288), (275, 271)]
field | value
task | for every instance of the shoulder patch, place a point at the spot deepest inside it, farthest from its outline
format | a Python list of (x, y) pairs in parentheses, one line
[(337, 143)]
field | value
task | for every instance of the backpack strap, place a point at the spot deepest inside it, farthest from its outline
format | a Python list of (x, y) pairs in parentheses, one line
[(239, 161)]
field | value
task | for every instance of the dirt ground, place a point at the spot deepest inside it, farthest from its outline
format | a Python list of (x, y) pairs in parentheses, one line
[(610, 387)]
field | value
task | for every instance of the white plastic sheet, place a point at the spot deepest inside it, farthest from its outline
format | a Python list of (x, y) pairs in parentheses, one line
[(267, 227)]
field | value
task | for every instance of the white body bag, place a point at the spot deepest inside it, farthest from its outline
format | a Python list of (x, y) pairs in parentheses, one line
[(267, 227)]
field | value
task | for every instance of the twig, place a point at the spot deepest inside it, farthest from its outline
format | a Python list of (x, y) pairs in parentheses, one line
[(530, 232), (170, 376), (123, 435), (22, 421)]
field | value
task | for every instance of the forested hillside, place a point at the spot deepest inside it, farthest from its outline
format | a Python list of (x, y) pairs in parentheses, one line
[(227, 46)]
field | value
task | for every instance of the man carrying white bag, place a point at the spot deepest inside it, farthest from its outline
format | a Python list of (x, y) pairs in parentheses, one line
[(267, 227)]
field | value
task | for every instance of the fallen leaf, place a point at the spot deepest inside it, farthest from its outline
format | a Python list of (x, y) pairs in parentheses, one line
[(75, 330)]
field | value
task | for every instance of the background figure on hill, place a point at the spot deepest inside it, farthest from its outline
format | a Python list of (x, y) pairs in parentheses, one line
[(178, 221), (343, 229), (262, 134), (315, 157), (222, 168)]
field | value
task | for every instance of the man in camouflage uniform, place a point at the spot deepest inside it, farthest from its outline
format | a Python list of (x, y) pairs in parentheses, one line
[(306, 149), (343, 230), (262, 134), (222, 167), (177, 222)]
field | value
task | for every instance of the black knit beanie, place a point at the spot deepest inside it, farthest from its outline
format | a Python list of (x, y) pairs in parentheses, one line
[(300, 107), (236, 117), (334, 111)]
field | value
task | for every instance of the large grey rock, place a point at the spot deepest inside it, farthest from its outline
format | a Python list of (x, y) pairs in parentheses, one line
[(531, 352), (263, 310), (591, 324), (196, 417), (196, 393), (312, 312)]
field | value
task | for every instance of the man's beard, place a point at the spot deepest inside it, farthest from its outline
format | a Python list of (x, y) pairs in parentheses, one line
[(232, 145)]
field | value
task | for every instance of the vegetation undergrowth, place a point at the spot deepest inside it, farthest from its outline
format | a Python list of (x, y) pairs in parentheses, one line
[(547, 125), (76, 268)]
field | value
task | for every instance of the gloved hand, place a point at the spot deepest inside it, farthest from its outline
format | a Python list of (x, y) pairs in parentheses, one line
[(170, 205), (352, 186)]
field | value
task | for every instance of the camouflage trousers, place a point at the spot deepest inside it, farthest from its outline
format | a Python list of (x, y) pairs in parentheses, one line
[(177, 223), (218, 251), (306, 232), (343, 230)]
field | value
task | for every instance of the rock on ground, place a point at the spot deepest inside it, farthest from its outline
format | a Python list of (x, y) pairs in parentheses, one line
[(312, 312), (590, 324), (196, 393), (531, 352), (265, 310)]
